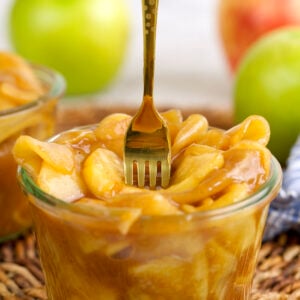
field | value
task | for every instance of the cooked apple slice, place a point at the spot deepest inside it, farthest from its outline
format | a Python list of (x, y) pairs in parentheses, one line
[(67, 187), (30, 153), (172, 277), (103, 173), (191, 130)]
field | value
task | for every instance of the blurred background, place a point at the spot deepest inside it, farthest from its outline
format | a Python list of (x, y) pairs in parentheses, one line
[(241, 57), (190, 67)]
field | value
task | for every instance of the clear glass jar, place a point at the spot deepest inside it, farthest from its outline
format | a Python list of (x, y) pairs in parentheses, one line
[(203, 255), (36, 119)]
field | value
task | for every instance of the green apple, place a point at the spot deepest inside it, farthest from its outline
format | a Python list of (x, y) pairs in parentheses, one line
[(83, 39), (268, 83)]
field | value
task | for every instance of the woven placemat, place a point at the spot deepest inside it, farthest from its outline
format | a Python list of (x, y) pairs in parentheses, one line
[(278, 272), (277, 276)]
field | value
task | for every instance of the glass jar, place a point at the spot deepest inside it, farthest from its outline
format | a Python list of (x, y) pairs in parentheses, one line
[(36, 119), (205, 255)]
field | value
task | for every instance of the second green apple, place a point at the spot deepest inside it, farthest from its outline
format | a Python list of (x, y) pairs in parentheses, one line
[(268, 83)]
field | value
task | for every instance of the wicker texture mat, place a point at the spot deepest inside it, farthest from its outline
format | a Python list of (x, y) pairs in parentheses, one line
[(20, 271), (277, 276), (278, 272)]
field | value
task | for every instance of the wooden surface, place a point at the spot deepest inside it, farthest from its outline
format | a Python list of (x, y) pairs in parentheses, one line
[(70, 116)]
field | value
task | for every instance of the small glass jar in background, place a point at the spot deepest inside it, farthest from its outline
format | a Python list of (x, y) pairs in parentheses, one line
[(201, 255), (36, 119)]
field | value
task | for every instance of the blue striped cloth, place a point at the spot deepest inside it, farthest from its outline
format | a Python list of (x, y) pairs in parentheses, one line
[(284, 213)]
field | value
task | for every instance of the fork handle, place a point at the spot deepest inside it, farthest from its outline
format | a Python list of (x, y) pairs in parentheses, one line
[(147, 118), (149, 8)]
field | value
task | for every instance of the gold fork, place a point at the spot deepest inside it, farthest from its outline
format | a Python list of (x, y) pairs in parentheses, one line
[(147, 141)]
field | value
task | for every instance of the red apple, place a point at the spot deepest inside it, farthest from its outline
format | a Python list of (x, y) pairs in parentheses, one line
[(242, 22)]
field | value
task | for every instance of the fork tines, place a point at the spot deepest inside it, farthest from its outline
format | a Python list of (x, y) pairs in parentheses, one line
[(147, 159)]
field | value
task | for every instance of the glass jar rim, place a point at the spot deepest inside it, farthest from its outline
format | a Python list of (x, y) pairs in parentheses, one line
[(259, 197), (56, 89)]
